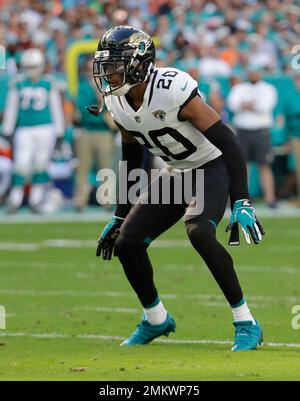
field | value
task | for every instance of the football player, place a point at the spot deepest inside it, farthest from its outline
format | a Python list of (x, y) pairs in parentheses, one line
[(160, 108), (33, 121), (6, 168)]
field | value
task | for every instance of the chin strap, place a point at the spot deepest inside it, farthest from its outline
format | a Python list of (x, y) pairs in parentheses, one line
[(123, 89)]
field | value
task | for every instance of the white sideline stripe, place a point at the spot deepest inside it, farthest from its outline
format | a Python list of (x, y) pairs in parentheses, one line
[(44, 265), (223, 304), (100, 337), (65, 243), (170, 267), (220, 304), (269, 269), (119, 338), (294, 345), (104, 309), (206, 297), (159, 243), (84, 276), (56, 218), (69, 216), (248, 269), (248, 298), (70, 243), (67, 293), (15, 246)]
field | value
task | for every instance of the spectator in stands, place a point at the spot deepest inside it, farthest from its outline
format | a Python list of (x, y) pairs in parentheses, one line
[(211, 65), (209, 90), (223, 37), (262, 52), (252, 104)]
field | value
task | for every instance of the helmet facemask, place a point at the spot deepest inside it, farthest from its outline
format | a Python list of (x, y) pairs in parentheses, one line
[(125, 62)]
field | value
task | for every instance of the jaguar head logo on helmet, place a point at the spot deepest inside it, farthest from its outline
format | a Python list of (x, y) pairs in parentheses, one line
[(124, 58)]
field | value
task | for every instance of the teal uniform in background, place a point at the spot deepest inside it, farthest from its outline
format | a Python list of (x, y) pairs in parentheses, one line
[(33, 117), (34, 107)]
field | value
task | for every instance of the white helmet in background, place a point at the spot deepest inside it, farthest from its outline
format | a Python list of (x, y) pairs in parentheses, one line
[(33, 63)]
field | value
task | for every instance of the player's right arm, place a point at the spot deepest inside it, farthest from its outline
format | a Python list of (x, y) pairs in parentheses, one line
[(10, 112), (132, 154), (56, 109)]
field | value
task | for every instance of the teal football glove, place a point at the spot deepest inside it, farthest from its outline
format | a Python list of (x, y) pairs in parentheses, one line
[(244, 214), (108, 238)]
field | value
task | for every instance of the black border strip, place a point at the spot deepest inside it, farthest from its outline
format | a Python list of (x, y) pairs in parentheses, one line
[(152, 87), (120, 101)]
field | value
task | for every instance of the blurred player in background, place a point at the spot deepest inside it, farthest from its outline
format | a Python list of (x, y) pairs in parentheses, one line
[(6, 168), (34, 123)]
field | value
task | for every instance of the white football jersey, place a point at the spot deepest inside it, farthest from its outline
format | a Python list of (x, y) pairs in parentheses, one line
[(156, 123)]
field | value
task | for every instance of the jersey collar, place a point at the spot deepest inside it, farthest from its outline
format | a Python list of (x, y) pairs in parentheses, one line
[(147, 97)]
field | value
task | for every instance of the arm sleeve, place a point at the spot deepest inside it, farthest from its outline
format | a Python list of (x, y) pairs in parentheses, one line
[(225, 140), (10, 112), (132, 153), (57, 114)]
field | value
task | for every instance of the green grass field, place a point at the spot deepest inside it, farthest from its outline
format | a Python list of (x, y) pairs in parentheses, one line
[(67, 311)]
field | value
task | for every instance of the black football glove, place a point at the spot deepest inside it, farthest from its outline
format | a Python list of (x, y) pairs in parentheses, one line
[(94, 110), (108, 238)]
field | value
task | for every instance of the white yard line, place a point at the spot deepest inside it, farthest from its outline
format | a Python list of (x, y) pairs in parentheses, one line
[(15, 246), (159, 243), (170, 267), (65, 293), (119, 338), (104, 309), (248, 269), (116, 294), (68, 243), (71, 243), (67, 217), (40, 265), (98, 215)]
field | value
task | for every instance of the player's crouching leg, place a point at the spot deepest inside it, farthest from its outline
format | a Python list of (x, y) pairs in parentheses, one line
[(155, 321)]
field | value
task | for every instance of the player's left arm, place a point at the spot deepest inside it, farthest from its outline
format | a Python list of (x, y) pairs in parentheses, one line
[(208, 121), (57, 111), (10, 112)]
